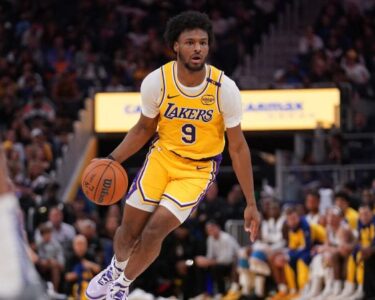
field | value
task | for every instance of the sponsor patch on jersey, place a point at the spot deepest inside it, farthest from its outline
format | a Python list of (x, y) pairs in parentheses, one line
[(208, 99)]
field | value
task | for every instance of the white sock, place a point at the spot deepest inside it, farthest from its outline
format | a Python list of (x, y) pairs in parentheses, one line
[(123, 280), (118, 266)]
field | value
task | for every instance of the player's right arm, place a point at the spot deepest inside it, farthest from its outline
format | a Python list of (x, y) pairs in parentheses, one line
[(148, 121), (137, 136)]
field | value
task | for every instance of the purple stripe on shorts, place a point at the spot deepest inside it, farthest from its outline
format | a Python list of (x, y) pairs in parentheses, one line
[(178, 203), (137, 180)]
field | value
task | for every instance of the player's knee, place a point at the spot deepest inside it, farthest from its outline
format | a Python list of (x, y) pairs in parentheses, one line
[(152, 234)]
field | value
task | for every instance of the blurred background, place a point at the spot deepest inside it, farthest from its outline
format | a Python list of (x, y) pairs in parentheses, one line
[(56, 56)]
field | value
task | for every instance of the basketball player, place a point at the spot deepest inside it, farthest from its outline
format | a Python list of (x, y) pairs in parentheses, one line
[(191, 103), (18, 278)]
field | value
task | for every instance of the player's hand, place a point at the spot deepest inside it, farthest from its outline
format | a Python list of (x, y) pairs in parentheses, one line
[(252, 221)]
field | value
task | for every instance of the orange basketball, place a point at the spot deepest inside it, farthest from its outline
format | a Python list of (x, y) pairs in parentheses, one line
[(104, 181)]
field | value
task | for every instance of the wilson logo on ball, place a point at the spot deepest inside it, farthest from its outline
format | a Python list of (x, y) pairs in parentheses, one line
[(107, 183), (104, 181)]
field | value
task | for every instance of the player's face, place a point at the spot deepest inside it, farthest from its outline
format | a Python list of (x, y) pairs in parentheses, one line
[(365, 215), (192, 49), (293, 220), (312, 203), (333, 219)]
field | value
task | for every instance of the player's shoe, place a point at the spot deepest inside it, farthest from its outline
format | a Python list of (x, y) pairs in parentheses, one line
[(99, 285), (117, 291)]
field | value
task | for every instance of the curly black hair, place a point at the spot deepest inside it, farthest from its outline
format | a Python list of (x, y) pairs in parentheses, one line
[(187, 20)]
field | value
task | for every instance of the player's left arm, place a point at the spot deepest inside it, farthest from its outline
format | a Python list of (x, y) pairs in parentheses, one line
[(241, 160), (231, 108)]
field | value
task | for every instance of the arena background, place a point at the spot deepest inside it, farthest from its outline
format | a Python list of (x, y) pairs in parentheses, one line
[(56, 57)]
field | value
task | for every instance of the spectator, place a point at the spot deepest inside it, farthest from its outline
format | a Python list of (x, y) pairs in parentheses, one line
[(337, 153), (235, 204), (292, 75), (309, 42), (363, 251), (39, 106), (39, 148), (212, 207), (328, 265), (66, 94), (28, 78), (182, 248), (221, 255), (111, 224), (312, 203), (80, 268), (51, 259), (333, 51), (355, 71), (115, 85), (342, 200), (271, 241), (351, 189), (361, 123), (8, 109), (87, 228), (301, 237), (61, 232)]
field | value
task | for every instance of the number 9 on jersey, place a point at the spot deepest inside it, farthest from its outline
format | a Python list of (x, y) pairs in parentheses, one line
[(188, 134)]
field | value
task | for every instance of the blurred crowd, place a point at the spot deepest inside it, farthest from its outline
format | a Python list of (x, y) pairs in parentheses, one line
[(321, 246), (338, 48), (54, 54), (69, 243)]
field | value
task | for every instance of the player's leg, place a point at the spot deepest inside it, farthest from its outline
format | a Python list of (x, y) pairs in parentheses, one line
[(142, 199), (133, 222), (277, 263), (128, 233), (146, 250), (360, 272), (180, 196)]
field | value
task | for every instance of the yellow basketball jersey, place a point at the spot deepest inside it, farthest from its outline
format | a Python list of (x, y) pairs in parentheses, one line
[(366, 234), (191, 126)]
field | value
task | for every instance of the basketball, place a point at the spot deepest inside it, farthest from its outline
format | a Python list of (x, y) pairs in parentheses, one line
[(104, 181)]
